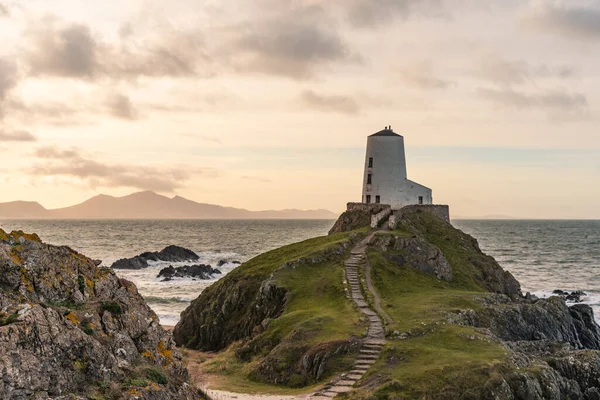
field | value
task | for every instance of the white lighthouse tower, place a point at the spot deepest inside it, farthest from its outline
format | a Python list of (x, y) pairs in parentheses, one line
[(385, 180)]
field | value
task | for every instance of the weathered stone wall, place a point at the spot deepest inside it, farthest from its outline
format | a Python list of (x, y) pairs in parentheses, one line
[(372, 208), (442, 211), (377, 219)]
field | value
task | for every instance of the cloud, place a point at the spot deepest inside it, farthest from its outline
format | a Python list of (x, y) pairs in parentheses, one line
[(498, 70), (558, 102), (378, 13), (56, 48), (293, 42), (329, 103), (16, 136), (421, 75), (120, 106), (72, 163), (4, 11), (67, 51), (8, 80), (575, 22)]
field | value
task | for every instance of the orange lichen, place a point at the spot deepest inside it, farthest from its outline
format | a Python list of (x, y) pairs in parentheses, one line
[(72, 317), (148, 355), (167, 354), (16, 235), (134, 392)]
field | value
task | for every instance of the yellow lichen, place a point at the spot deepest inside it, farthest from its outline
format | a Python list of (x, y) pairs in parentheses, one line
[(72, 317), (148, 355), (167, 354)]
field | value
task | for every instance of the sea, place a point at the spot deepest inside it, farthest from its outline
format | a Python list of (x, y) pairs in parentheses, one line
[(544, 255)]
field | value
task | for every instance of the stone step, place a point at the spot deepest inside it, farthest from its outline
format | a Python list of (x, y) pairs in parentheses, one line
[(346, 382), (356, 377), (339, 389), (368, 357), (377, 347), (369, 351)]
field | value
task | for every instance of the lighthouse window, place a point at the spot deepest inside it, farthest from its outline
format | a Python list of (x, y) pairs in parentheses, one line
[(420, 199), (368, 199), (370, 162), (377, 199), (369, 179)]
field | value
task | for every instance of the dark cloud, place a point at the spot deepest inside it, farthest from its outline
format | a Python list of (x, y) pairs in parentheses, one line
[(8, 80), (504, 72), (293, 42), (68, 51), (379, 13), (120, 106), (554, 101), (421, 75), (73, 50), (577, 22), (16, 136), (329, 103), (72, 163)]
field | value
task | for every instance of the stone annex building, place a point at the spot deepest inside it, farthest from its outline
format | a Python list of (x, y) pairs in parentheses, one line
[(385, 180)]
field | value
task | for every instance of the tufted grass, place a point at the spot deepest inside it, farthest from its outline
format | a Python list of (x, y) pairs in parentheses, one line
[(437, 360), (317, 312)]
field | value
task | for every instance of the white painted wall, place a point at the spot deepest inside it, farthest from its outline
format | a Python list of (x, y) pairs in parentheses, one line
[(388, 174)]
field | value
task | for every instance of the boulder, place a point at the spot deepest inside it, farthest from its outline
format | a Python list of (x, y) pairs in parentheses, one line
[(168, 254), (69, 328), (200, 271)]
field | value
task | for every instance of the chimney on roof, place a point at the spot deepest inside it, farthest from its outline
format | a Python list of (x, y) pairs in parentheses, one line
[(391, 128)]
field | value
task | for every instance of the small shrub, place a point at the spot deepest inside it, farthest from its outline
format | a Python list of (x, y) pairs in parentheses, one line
[(113, 307), (156, 376), (135, 382), (9, 320), (81, 283), (87, 327)]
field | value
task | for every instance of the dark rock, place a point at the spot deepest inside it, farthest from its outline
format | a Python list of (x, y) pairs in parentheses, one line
[(169, 254), (223, 262), (75, 325), (416, 253), (573, 297), (200, 271)]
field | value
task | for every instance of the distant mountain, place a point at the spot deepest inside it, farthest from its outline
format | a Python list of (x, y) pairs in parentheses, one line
[(149, 205)]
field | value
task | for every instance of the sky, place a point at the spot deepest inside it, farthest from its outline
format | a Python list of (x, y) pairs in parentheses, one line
[(267, 104)]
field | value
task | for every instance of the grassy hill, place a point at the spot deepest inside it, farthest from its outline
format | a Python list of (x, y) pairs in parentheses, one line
[(282, 322)]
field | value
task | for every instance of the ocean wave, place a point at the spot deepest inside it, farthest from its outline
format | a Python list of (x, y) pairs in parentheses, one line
[(164, 300)]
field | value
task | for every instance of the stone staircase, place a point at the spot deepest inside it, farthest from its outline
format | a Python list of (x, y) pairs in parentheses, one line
[(372, 345)]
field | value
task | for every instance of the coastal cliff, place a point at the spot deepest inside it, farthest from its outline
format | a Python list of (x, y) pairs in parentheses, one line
[(456, 324), (69, 329)]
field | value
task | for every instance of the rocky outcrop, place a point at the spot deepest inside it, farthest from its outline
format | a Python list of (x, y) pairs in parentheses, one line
[(357, 215), (168, 254), (229, 310), (237, 307), (414, 252), (69, 329), (200, 271)]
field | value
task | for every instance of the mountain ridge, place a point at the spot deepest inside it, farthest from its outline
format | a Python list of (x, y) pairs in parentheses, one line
[(148, 205)]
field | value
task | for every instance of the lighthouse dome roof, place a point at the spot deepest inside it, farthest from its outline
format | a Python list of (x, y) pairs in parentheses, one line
[(385, 132)]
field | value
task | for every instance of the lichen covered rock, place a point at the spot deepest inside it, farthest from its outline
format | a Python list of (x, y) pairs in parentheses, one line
[(69, 328)]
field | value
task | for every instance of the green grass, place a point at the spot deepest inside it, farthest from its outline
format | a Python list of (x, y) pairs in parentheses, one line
[(157, 376), (437, 360), (113, 307), (317, 313)]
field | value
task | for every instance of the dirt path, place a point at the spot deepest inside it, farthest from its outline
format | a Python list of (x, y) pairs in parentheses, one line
[(373, 344)]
